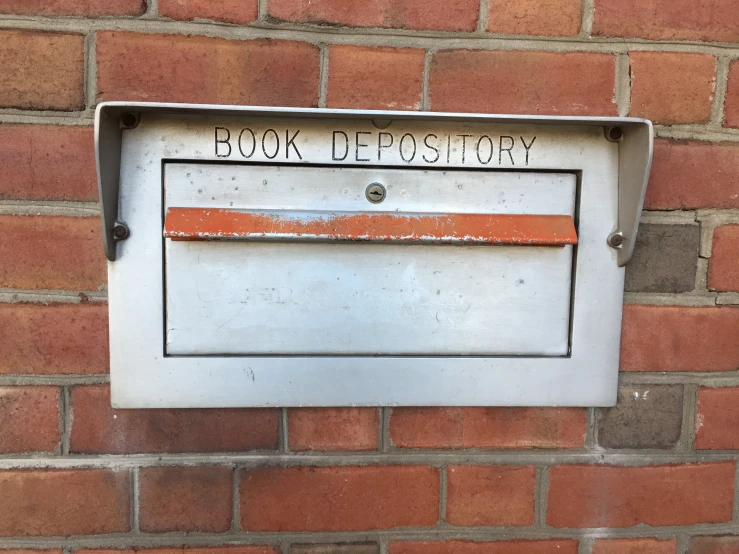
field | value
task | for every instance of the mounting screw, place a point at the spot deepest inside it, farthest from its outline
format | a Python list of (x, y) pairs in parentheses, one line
[(129, 120), (120, 231), (375, 193), (616, 240), (614, 134)]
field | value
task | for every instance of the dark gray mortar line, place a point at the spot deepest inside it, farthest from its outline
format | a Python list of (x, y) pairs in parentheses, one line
[(443, 486), (585, 546), (384, 429), (63, 403), (65, 415), (360, 35), (539, 499), (29, 117), (481, 534), (236, 500), (544, 496), (85, 209), (57, 380), (586, 25), (382, 545), (483, 16), (722, 79), (701, 276), (623, 84), (590, 429), (35, 297), (671, 299), (72, 117), (425, 101), (135, 500), (323, 75), (712, 379), (735, 512), (90, 70), (683, 543), (623, 458), (283, 433), (676, 132), (702, 133), (152, 9), (262, 11), (687, 431)]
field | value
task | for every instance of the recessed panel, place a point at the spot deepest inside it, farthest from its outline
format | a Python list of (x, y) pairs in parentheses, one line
[(291, 297)]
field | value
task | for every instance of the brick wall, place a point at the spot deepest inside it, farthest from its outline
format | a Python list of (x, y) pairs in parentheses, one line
[(656, 474)]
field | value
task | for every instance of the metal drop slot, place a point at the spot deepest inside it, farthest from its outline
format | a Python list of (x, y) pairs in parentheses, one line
[(309, 257)]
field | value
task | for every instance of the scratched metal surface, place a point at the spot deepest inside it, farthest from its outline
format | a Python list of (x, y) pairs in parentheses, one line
[(372, 299), (143, 376), (382, 227)]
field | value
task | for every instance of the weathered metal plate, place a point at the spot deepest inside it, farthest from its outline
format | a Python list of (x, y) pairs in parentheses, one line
[(383, 227), (189, 139), (242, 298)]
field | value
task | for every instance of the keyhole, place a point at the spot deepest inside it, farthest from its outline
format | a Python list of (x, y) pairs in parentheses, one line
[(375, 193)]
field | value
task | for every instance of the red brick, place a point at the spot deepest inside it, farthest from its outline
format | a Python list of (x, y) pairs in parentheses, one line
[(229, 11), (717, 419), (523, 82), (563, 546), (334, 429), (187, 550), (29, 419), (54, 339), (518, 428), (47, 162), (439, 15), (610, 496), (714, 545), (185, 499), (688, 175), (713, 20), (378, 78), (490, 495), (731, 103), (41, 71), (63, 503), (73, 7), (100, 429), (555, 18), (723, 271), (671, 87), (51, 252), (339, 498), (634, 546), (678, 338), (206, 70)]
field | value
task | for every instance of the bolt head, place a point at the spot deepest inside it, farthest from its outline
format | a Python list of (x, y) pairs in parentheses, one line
[(129, 120), (614, 134), (120, 231), (616, 240)]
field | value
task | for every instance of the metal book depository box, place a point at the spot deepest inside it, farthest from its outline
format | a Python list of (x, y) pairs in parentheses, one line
[(303, 257)]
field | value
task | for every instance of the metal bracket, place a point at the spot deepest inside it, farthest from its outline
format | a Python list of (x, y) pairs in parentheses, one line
[(634, 162), (635, 150)]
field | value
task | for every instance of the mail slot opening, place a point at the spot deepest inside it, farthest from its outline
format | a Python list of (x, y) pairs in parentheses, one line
[(289, 261), (389, 227)]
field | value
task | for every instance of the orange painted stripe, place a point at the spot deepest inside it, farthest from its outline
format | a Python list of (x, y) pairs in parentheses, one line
[(224, 224)]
